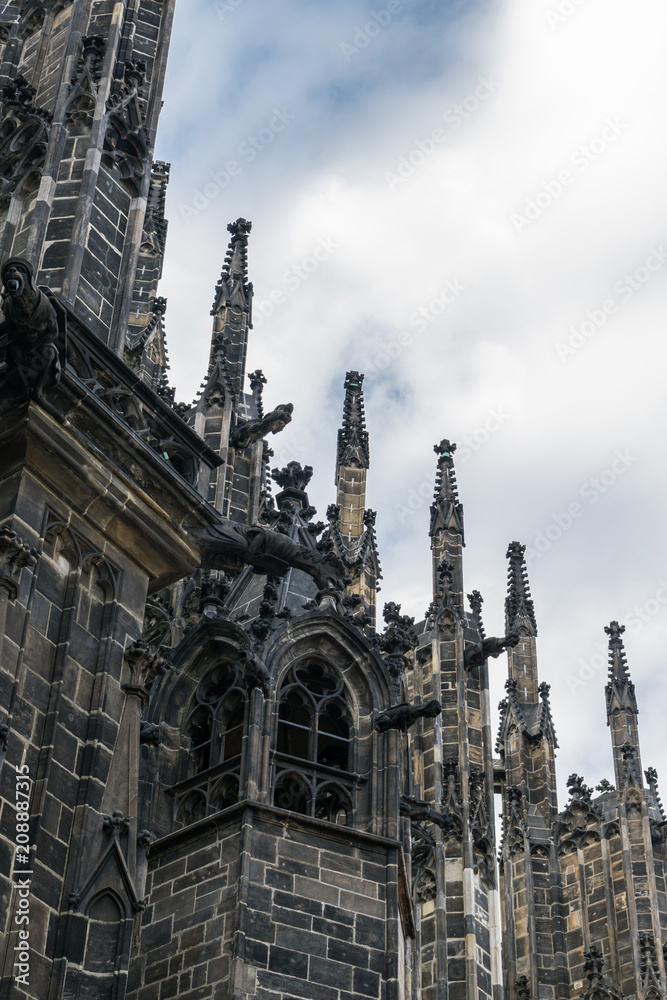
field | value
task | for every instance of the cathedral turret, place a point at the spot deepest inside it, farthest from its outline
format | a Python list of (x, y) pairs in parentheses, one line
[(352, 526), (83, 87), (622, 712)]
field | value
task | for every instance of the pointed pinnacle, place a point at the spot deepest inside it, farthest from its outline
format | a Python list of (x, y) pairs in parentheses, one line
[(233, 287), (518, 603), (353, 446), (618, 666)]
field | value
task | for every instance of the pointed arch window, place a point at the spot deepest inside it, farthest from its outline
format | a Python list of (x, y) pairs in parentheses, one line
[(216, 726), (314, 747)]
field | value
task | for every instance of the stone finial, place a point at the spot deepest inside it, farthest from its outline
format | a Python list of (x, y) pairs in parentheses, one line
[(293, 477), (446, 504), (519, 608), (353, 448)]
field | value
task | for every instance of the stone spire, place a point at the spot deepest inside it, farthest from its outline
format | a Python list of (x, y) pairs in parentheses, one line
[(446, 509), (446, 530), (353, 447), (232, 309), (352, 460), (622, 712), (519, 609), (352, 526)]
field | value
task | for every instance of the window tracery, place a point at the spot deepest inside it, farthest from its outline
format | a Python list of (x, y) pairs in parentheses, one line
[(315, 730), (215, 727)]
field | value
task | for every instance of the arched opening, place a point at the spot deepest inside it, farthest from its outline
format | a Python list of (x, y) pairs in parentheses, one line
[(315, 728)]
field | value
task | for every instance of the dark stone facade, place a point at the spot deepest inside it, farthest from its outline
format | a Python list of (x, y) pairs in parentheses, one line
[(218, 777)]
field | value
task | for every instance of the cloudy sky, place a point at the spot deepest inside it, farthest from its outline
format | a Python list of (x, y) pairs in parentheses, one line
[(484, 185)]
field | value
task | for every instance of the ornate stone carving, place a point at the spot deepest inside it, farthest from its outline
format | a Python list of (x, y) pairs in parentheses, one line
[(116, 823), (522, 988), (24, 137), (451, 801), (255, 673), (648, 964), (213, 594), (476, 655), (515, 827), (35, 328), (597, 990), (579, 824), (154, 235), (398, 638), (480, 826), (158, 618), (145, 664), (84, 85), (404, 716), (126, 142), (231, 546), (247, 431), (423, 864), (293, 477), (418, 810), (631, 775), (144, 840), (149, 734), (14, 555)]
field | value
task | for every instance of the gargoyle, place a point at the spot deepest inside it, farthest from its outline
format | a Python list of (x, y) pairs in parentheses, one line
[(232, 546), (419, 811), (247, 431), (35, 325), (254, 671), (475, 656), (403, 716)]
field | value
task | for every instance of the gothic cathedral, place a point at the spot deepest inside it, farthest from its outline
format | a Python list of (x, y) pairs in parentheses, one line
[(223, 773)]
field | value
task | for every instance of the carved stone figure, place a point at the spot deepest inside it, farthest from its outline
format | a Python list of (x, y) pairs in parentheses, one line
[(476, 656), (254, 671), (35, 325), (247, 431), (420, 811), (231, 546), (404, 716)]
